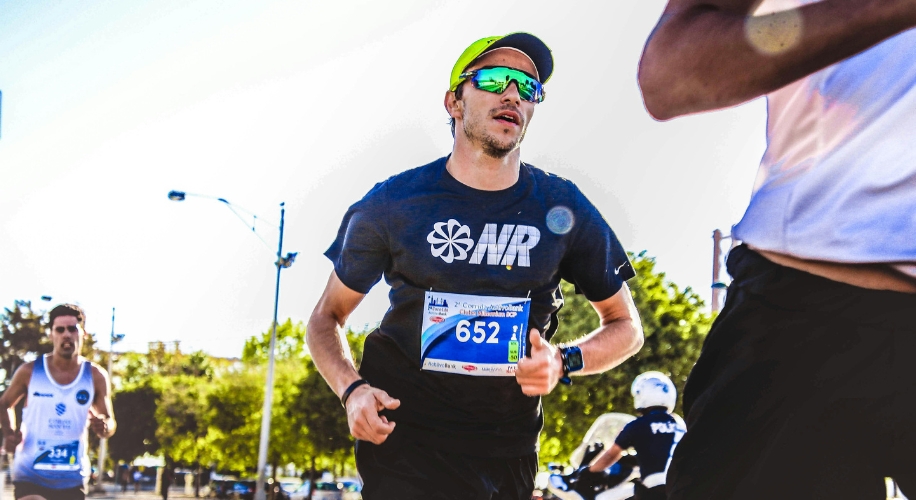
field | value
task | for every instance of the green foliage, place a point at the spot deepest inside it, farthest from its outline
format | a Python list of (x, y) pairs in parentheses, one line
[(182, 416), (317, 410), (135, 408), (22, 338), (236, 404), (235, 419), (674, 326), (290, 344)]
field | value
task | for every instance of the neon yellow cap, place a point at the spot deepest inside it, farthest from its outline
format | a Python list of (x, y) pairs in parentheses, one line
[(531, 45)]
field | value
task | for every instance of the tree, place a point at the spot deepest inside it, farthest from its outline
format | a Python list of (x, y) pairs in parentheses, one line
[(317, 410), (236, 404), (183, 416), (290, 344), (235, 420), (136, 408), (22, 336), (674, 326)]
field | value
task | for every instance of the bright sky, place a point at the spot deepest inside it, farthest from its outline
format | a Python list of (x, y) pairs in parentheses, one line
[(108, 105)]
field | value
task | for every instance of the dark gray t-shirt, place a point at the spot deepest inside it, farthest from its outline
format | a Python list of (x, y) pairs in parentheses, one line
[(423, 230)]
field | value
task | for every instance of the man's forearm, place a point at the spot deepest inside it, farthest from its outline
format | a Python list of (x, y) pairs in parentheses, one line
[(609, 345), (707, 55), (330, 352)]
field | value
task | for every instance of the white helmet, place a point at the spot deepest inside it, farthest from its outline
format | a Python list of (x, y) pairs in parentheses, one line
[(653, 389)]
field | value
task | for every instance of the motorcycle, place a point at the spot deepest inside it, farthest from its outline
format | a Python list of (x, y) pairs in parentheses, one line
[(616, 483)]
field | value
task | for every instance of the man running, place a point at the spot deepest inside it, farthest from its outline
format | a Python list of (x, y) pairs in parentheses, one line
[(65, 394), (474, 246), (804, 388)]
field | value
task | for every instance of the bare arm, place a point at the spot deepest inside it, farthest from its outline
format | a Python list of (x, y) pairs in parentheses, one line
[(711, 54), (329, 349), (618, 337), (606, 458), (18, 388), (101, 413)]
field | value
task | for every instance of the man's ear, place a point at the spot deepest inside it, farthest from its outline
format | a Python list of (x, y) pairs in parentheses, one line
[(453, 105)]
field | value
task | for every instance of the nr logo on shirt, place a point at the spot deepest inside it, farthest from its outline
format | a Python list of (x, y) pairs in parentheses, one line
[(500, 246)]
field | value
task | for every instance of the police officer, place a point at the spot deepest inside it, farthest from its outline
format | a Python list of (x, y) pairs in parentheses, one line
[(474, 246), (653, 435)]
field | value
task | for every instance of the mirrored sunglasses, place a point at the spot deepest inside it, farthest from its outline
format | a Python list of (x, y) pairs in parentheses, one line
[(496, 79)]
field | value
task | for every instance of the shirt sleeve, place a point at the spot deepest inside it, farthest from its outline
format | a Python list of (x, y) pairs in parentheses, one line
[(361, 252), (596, 262), (627, 437)]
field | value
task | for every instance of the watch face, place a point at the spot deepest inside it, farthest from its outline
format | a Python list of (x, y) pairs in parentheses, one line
[(574, 359)]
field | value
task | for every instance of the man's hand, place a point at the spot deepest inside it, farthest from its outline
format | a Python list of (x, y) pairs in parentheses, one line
[(11, 440), (99, 423), (363, 407), (539, 374)]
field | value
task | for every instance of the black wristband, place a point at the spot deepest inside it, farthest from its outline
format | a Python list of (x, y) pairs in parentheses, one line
[(353, 386)]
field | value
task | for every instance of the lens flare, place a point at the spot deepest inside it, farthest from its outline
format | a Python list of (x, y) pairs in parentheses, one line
[(773, 34), (560, 220)]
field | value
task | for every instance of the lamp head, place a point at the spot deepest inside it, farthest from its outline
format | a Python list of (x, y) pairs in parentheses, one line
[(287, 261), (176, 195)]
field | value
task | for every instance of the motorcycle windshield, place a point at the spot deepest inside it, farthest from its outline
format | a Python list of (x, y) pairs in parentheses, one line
[(604, 430)]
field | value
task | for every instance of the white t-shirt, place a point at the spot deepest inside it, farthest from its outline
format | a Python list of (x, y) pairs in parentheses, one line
[(838, 179)]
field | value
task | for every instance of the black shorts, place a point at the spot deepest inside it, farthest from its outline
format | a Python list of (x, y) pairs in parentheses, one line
[(411, 471), (24, 489), (654, 493), (805, 388)]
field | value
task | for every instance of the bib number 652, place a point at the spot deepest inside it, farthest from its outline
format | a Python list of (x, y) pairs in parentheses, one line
[(463, 332)]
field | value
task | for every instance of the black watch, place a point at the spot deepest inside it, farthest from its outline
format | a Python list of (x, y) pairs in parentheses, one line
[(572, 361)]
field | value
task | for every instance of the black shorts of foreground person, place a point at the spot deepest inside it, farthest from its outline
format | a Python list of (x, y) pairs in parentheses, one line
[(406, 470), (805, 389)]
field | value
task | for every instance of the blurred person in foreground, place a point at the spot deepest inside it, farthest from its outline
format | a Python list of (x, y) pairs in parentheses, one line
[(804, 388), (445, 403), (65, 396)]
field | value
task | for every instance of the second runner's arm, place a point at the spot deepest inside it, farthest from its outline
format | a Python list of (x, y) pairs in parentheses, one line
[(699, 56), (328, 346)]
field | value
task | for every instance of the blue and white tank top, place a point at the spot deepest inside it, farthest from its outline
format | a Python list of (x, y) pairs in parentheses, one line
[(53, 451), (838, 179)]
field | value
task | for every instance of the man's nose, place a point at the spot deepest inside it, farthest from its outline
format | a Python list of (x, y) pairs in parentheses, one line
[(511, 93)]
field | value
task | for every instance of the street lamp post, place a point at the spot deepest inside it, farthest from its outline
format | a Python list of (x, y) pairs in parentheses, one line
[(717, 284), (281, 263), (103, 442)]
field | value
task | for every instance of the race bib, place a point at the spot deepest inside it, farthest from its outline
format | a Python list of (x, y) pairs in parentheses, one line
[(473, 335), (62, 456)]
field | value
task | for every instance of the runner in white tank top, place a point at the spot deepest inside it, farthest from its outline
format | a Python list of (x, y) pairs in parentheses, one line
[(63, 393)]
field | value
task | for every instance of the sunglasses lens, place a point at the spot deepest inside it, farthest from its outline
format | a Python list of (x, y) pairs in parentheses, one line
[(69, 328), (497, 80)]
